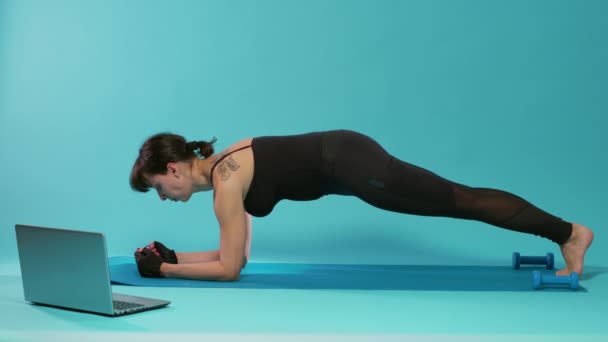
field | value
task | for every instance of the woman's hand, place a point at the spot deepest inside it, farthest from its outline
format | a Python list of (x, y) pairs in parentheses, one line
[(167, 255), (148, 263)]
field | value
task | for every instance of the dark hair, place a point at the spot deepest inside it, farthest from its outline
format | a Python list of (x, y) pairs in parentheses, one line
[(161, 149)]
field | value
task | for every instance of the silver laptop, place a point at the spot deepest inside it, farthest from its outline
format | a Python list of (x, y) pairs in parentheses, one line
[(69, 269)]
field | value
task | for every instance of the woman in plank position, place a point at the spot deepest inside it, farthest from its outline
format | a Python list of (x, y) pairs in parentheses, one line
[(252, 175)]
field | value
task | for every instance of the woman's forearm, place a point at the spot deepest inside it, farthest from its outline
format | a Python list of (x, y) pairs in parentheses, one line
[(210, 270), (196, 257)]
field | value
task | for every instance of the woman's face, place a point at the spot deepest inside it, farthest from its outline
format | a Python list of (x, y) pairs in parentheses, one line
[(174, 185)]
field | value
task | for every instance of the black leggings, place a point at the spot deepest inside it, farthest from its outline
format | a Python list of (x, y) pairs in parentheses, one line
[(359, 166)]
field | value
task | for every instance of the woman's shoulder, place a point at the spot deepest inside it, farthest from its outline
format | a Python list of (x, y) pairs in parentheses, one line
[(233, 166), (239, 144), (231, 149)]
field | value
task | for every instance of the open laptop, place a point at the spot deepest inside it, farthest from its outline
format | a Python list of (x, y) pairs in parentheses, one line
[(69, 269)]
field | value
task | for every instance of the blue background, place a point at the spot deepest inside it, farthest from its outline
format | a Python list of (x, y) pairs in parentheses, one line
[(508, 95)]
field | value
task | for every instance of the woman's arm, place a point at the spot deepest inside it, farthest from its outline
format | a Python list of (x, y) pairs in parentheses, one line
[(232, 218), (194, 257), (247, 240)]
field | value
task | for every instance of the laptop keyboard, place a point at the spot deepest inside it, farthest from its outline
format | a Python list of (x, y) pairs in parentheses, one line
[(120, 305)]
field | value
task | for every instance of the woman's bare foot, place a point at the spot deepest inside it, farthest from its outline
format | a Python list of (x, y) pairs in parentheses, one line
[(574, 249)]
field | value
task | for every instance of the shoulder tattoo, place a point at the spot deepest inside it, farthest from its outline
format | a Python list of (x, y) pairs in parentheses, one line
[(231, 164), (227, 166)]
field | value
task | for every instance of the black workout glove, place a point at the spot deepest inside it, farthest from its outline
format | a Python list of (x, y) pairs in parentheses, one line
[(148, 263), (167, 254)]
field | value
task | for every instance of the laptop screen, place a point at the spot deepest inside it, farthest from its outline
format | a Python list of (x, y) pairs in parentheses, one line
[(65, 268)]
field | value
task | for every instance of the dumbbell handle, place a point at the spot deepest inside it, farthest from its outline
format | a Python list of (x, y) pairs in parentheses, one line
[(533, 260), (539, 279)]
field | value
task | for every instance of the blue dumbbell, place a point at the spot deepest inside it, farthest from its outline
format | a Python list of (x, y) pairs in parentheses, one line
[(539, 279), (533, 260)]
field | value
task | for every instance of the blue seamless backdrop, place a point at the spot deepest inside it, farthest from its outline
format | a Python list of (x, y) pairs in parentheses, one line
[(508, 95)]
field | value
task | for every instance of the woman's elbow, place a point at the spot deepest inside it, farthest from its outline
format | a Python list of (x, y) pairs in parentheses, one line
[(231, 276)]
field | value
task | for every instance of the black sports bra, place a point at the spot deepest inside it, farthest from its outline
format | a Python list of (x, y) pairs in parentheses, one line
[(224, 156)]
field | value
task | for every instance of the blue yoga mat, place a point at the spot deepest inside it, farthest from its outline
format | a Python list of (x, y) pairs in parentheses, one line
[(123, 271)]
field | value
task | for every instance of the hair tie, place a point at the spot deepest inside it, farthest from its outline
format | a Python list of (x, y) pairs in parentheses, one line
[(192, 145)]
